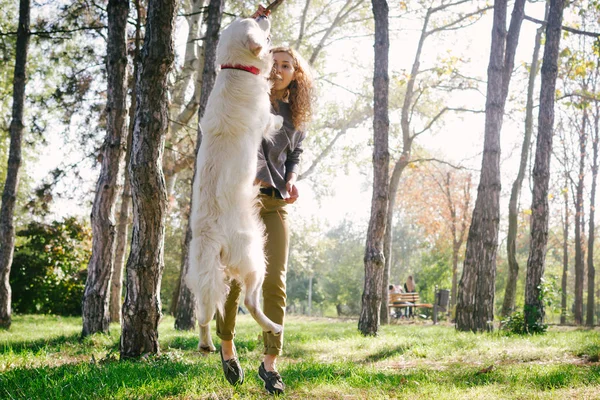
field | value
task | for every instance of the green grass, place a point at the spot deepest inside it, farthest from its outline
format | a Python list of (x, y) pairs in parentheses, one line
[(42, 357)]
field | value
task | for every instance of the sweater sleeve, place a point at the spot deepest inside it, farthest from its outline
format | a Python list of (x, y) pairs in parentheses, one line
[(293, 158)]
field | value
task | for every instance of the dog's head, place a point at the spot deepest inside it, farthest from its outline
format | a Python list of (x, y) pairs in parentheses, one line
[(246, 42)]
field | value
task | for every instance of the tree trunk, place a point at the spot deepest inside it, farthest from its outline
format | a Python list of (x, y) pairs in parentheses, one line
[(11, 185), (95, 311), (403, 160), (116, 291), (116, 283), (579, 221), (475, 306), (454, 288), (389, 226), (589, 318), (563, 284), (185, 318), (142, 307), (384, 311), (310, 284), (368, 323), (458, 237), (508, 305), (534, 305)]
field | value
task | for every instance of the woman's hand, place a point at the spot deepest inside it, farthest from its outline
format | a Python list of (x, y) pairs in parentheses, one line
[(292, 189), (293, 192), (261, 12)]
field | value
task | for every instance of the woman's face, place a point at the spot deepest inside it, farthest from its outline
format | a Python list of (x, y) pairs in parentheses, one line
[(283, 66)]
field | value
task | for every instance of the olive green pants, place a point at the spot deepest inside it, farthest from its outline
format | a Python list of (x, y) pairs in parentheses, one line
[(274, 216)]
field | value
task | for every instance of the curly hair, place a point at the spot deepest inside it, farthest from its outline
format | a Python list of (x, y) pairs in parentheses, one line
[(301, 90)]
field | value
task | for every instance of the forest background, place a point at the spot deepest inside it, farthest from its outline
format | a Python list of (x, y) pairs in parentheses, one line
[(65, 129)]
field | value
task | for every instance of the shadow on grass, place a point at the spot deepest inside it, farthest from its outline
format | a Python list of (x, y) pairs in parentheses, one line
[(540, 377), (567, 376), (590, 353), (298, 351), (386, 353), (36, 345), (242, 345)]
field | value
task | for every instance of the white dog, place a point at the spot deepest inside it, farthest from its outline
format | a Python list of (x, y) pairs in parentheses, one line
[(227, 234)]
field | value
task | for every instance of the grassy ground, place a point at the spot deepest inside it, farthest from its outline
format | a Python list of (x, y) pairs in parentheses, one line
[(41, 357)]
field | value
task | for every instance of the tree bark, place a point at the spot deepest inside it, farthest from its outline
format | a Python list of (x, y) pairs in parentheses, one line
[(475, 306), (11, 185), (389, 221), (579, 221), (142, 307), (458, 235), (534, 305), (95, 309), (508, 305), (368, 323), (116, 283), (116, 291), (185, 318), (565, 272), (403, 160), (589, 318)]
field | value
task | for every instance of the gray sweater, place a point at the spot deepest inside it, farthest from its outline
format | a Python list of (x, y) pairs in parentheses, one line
[(282, 156)]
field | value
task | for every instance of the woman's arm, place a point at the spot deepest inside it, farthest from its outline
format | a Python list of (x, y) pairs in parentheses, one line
[(292, 167), (293, 159)]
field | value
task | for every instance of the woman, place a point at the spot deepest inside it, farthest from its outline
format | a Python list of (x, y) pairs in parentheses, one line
[(278, 160), (409, 287)]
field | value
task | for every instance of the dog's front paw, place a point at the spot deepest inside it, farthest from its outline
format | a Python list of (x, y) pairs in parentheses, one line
[(206, 348), (277, 330)]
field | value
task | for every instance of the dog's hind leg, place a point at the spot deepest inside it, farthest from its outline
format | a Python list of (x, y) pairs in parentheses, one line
[(206, 279), (249, 259), (253, 282), (204, 316), (205, 344)]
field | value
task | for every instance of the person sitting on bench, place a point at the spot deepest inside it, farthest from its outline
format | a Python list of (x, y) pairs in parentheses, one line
[(409, 287), (396, 289)]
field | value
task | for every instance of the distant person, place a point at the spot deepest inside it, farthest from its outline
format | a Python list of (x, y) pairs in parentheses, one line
[(409, 287), (396, 289)]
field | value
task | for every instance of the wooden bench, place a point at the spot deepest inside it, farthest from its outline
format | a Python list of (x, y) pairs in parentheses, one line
[(403, 300)]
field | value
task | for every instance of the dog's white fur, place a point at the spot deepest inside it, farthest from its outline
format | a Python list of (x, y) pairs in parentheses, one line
[(227, 234)]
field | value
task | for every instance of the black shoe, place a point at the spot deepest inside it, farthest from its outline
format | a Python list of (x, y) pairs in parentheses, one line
[(272, 380), (233, 370)]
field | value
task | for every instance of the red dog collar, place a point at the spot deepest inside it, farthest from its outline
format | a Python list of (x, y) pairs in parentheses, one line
[(248, 68)]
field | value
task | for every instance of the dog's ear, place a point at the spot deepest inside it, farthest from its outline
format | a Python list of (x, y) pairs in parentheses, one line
[(254, 45)]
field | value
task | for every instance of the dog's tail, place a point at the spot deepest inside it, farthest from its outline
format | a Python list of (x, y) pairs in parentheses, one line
[(206, 279)]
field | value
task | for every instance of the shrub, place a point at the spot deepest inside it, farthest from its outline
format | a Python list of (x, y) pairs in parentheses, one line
[(517, 323), (50, 267)]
